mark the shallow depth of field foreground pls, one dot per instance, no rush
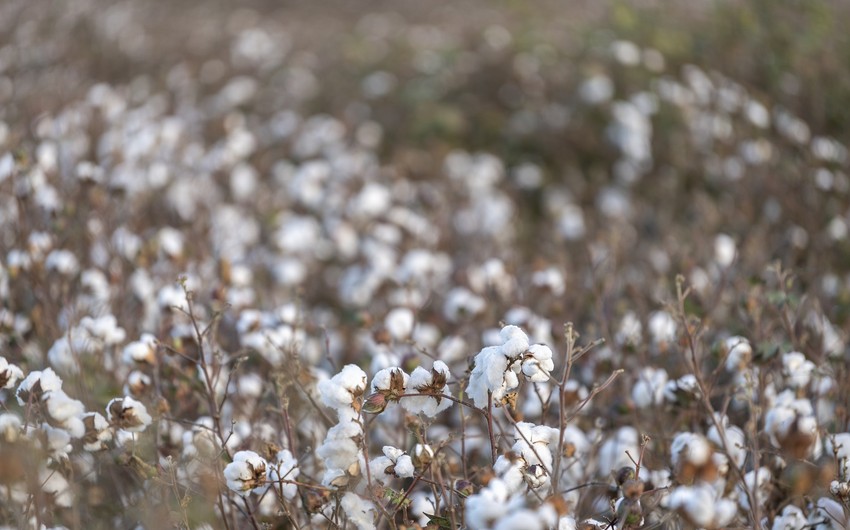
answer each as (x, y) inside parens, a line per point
(424, 265)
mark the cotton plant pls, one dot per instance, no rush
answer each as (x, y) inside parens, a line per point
(497, 368)
(340, 451)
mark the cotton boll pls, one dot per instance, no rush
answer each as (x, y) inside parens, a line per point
(285, 468)
(360, 512)
(54, 484)
(662, 327)
(797, 369)
(739, 352)
(399, 322)
(461, 303)
(345, 389)
(630, 331)
(36, 384)
(690, 448)
(761, 481)
(434, 384)
(700, 506)
(791, 518)
(537, 363)
(612, 454)
(648, 390)
(9, 374)
(246, 473)
(725, 250)
(129, 414)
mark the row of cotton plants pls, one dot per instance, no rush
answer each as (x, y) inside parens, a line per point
(272, 285)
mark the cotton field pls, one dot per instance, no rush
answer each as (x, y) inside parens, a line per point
(389, 267)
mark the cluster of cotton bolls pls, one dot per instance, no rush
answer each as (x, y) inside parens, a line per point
(222, 307)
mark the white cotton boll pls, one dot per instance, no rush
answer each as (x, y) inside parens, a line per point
(42, 381)
(596, 89)
(739, 353)
(662, 327)
(550, 278)
(105, 329)
(626, 52)
(172, 297)
(699, 505)
(686, 385)
(63, 262)
(246, 473)
(538, 363)
(360, 512)
(453, 349)
(65, 412)
(10, 427)
(630, 331)
(57, 441)
(399, 322)
(648, 390)
(129, 414)
(285, 468)
(828, 515)
(791, 518)
(514, 341)
(462, 303)
(612, 454)
(725, 250)
(761, 482)
(140, 351)
(690, 448)
(524, 519)
(9, 374)
(338, 450)
(53, 483)
(339, 391)
(736, 441)
(839, 445)
(570, 222)
(797, 369)
(432, 382)
(97, 432)
(422, 503)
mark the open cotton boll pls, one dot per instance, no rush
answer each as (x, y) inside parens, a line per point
(344, 389)
(797, 369)
(394, 463)
(648, 390)
(761, 481)
(140, 351)
(57, 486)
(537, 363)
(701, 507)
(725, 250)
(128, 414)
(97, 431)
(399, 322)
(738, 353)
(433, 383)
(65, 412)
(791, 518)
(9, 374)
(839, 445)
(246, 473)
(36, 384)
(360, 512)
(285, 468)
(690, 448)
(662, 327)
